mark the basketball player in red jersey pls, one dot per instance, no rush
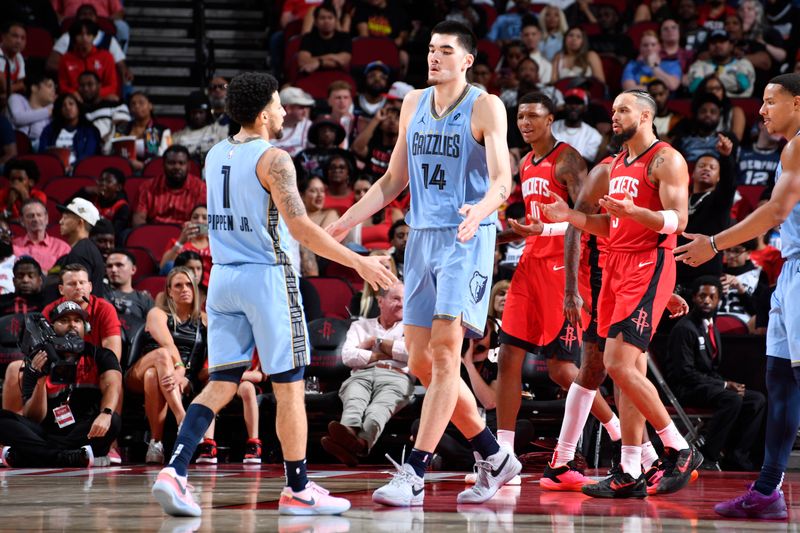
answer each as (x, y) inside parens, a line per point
(646, 206)
(531, 321)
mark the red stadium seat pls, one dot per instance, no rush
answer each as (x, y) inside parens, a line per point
(636, 31)
(731, 325)
(595, 87)
(491, 50)
(681, 106)
(54, 230)
(132, 186)
(53, 214)
(316, 84)
(39, 43)
(293, 29)
(93, 165)
(62, 189)
(334, 294)
(591, 29)
(146, 266)
(49, 167)
(489, 12)
(290, 51)
(336, 270)
(750, 106)
(16, 230)
(173, 123)
(613, 71)
(155, 168)
(153, 237)
(369, 49)
(23, 143)
(378, 245)
(153, 285)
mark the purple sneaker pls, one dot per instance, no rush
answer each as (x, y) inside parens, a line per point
(753, 504)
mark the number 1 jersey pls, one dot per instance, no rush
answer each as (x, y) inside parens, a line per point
(446, 165)
(243, 221)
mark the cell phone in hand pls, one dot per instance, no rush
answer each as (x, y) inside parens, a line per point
(202, 229)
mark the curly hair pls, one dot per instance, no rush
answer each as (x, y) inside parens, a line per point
(248, 94)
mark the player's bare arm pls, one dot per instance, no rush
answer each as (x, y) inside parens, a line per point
(773, 213)
(489, 121)
(276, 173)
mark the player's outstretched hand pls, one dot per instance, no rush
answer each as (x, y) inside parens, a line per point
(555, 211)
(677, 306)
(573, 303)
(533, 229)
(471, 222)
(623, 208)
(375, 271)
(695, 252)
(337, 230)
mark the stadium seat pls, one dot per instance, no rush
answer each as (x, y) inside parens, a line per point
(369, 49)
(613, 72)
(680, 106)
(596, 88)
(145, 264)
(39, 43)
(49, 167)
(54, 229)
(155, 168)
(93, 165)
(153, 285)
(491, 50)
(23, 143)
(751, 194)
(378, 245)
(132, 186)
(591, 28)
(133, 350)
(636, 31)
(730, 325)
(293, 29)
(153, 237)
(173, 123)
(316, 84)
(750, 106)
(334, 294)
(11, 329)
(336, 270)
(290, 68)
(63, 188)
(489, 12)
(16, 230)
(326, 336)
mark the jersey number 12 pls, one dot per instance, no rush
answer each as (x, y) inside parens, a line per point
(437, 178)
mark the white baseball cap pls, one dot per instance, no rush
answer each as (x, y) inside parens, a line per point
(84, 209)
(295, 96)
(399, 90)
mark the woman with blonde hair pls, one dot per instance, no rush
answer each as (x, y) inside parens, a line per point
(576, 60)
(497, 300)
(174, 353)
(554, 25)
(365, 303)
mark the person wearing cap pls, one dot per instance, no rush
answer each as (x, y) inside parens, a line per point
(326, 135)
(65, 425)
(371, 99)
(572, 129)
(77, 220)
(397, 92)
(22, 177)
(737, 75)
(201, 131)
(36, 242)
(324, 48)
(296, 123)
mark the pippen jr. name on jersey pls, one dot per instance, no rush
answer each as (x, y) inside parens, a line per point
(226, 223)
(624, 184)
(436, 144)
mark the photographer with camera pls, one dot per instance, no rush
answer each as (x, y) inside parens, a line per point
(70, 389)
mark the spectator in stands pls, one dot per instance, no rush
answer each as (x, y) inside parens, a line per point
(694, 34)
(71, 131)
(737, 75)
(340, 99)
(398, 238)
(759, 160)
(339, 193)
(324, 48)
(103, 237)
(36, 242)
(665, 118)
(8, 141)
(365, 302)
(508, 26)
(7, 259)
(132, 306)
(77, 220)
(513, 52)
(32, 13)
(36, 438)
(470, 15)
(84, 55)
(201, 132)
(554, 26)
(291, 12)
(27, 295)
(326, 135)
(196, 265)
(22, 177)
(296, 123)
(12, 64)
(374, 230)
(173, 357)
(103, 114)
(753, 51)
(733, 118)
(743, 284)
(670, 34)
(497, 301)
(344, 16)
(755, 28)
(217, 97)
(193, 238)
(110, 9)
(711, 15)
(375, 143)
(654, 10)
(696, 136)
(152, 138)
(532, 37)
(575, 59)
(30, 113)
(313, 194)
(171, 197)
(109, 197)
(713, 189)
(611, 40)
(650, 66)
(584, 138)
(384, 18)
(102, 41)
(397, 92)
(373, 96)
(692, 371)
(379, 384)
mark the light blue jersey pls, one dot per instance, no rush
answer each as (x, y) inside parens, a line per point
(243, 221)
(790, 228)
(446, 165)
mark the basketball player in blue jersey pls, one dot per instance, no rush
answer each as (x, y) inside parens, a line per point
(781, 112)
(452, 151)
(253, 298)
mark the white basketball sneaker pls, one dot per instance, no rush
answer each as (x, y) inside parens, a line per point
(492, 473)
(405, 489)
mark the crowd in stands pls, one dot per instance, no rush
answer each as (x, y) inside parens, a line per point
(102, 203)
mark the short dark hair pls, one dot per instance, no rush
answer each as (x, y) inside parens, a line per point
(117, 173)
(656, 82)
(537, 97)
(102, 227)
(89, 73)
(28, 166)
(790, 83)
(177, 149)
(706, 280)
(126, 253)
(27, 260)
(35, 77)
(466, 38)
(72, 267)
(705, 98)
(712, 155)
(6, 27)
(186, 256)
(90, 26)
(643, 97)
(325, 6)
(395, 225)
(248, 94)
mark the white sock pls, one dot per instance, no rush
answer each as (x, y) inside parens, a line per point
(649, 455)
(505, 438)
(613, 428)
(576, 411)
(631, 460)
(672, 438)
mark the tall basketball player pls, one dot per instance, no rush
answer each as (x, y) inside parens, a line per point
(452, 149)
(781, 112)
(253, 298)
(645, 207)
(532, 319)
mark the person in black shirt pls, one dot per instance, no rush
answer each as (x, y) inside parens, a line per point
(27, 295)
(324, 48)
(132, 306)
(65, 425)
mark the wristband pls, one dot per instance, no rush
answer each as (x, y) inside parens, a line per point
(178, 245)
(179, 364)
(107, 411)
(551, 230)
(713, 242)
(670, 221)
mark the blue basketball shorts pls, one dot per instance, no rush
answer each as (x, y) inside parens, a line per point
(252, 305)
(448, 279)
(783, 331)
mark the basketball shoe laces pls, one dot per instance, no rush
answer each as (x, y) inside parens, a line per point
(482, 469)
(401, 476)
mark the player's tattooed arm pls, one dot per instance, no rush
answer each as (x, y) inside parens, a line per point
(503, 192)
(657, 162)
(571, 172)
(283, 181)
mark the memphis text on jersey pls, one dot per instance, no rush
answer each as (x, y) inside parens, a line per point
(226, 223)
(436, 144)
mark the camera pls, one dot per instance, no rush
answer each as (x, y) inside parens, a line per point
(40, 336)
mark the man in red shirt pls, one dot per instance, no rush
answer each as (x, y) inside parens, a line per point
(170, 198)
(36, 242)
(83, 56)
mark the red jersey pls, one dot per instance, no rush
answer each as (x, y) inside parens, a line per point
(627, 235)
(539, 181)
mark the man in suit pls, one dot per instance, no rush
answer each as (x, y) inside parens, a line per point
(692, 371)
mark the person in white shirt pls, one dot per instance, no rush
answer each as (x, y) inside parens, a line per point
(296, 123)
(532, 35)
(584, 138)
(13, 38)
(31, 114)
(379, 385)
(7, 260)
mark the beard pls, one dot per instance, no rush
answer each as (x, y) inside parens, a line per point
(375, 90)
(217, 103)
(624, 136)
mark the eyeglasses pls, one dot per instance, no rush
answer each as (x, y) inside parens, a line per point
(216, 86)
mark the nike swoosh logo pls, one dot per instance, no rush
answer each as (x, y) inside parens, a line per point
(500, 469)
(416, 492)
(310, 502)
(748, 506)
(557, 268)
(645, 264)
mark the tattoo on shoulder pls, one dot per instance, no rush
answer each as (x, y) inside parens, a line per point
(284, 179)
(657, 162)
